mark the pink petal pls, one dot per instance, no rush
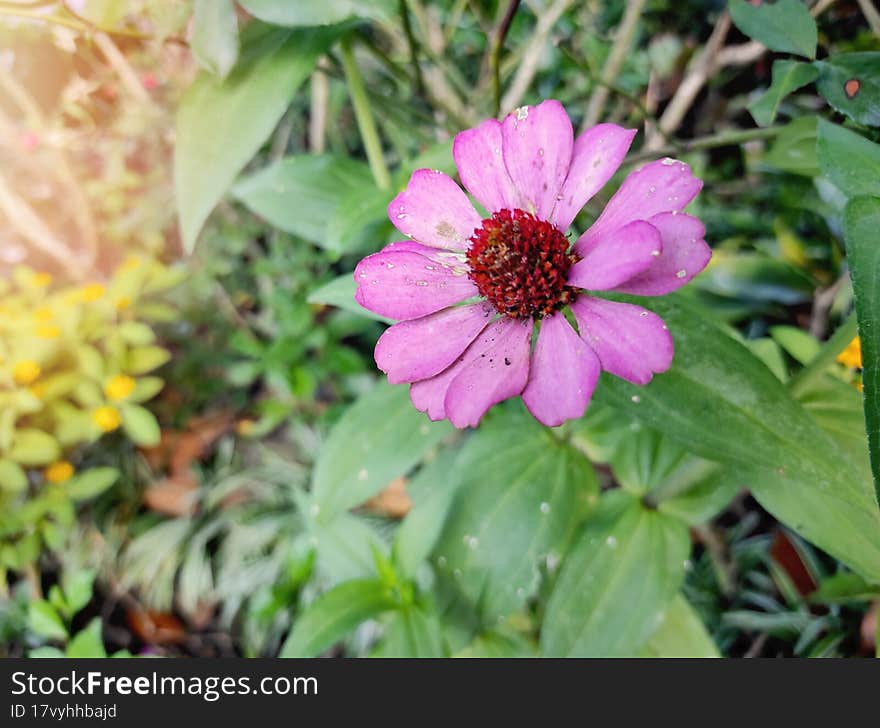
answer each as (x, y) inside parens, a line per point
(666, 185)
(496, 367)
(428, 395)
(685, 254)
(433, 210)
(537, 145)
(406, 285)
(477, 154)
(598, 152)
(452, 259)
(631, 342)
(616, 257)
(563, 373)
(421, 348)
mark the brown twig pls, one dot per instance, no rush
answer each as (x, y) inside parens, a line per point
(497, 46)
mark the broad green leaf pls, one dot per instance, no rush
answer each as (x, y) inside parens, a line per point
(334, 614)
(222, 124)
(412, 632)
(788, 76)
(501, 643)
(340, 293)
(358, 222)
(303, 194)
(861, 224)
(46, 653)
(795, 148)
(215, 35)
(797, 342)
(520, 493)
(785, 26)
(12, 476)
(696, 491)
(680, 634)
(32, 448)
(88, 642)
(419, 531)
(617, 581)
(90, 483)
(140, 425)
(318, 12)
(645, 459)
(849, 160)
(754, 277)
(344, 548)
(77, 588)
(722, 403)
(844, 588)
(850, 82)
(379, 438)
(44, 621)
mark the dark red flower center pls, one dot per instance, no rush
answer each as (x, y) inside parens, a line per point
(520, 264)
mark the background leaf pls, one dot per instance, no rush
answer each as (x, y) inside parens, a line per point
(785, 25)
(849, 160)
(788, 76)
(317, 12)
(680, 634)
(850, 82)
(215, 35)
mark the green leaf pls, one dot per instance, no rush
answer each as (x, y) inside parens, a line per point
(850, 82)
(861, 222)
(221, 124)
(44, 621)
(340, 293)
(144, 359)
(12, 476)
(785, 26)
(755, 277)
(215, 35)
(520, 494)
(46, 653)
(844, 588)
(795, 148)
(32, 448)
(334, 614)
(419, 531)
(412, 632)
(317, 12)
(645, 459)
(140, 425)
(87, 642)
(90, 483)
(379, 438)
(617, 581)
(849, 160)
(77, 588)
(681, 634)
(317, 183)
(797, 342)
(722, 403)
(136, 333)
(788, 76)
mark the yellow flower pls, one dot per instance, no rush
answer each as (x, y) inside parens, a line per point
(106, 418)
(42, 280)
(122, 303)
(44, 314)
(38, 390)
(26, 372)
(130, 263)
(851, 356)
(245, 427)
(48, 331)
(119, 387)
(93, 292)
(59, 472)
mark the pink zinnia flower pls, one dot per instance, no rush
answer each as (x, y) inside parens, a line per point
(468, 292)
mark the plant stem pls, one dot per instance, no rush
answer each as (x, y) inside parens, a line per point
(845, 333)
(495, 55)
(364, 115)
(723, 139)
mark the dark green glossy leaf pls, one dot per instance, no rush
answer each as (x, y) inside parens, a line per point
(849, 160)
(850, 82)
(788, 76)
(861, 225)
(785, 25)
(617, 581)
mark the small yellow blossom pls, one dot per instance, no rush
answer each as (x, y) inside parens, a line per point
(107, 418)
(38, 390)
(851, 357)
(130, 263)
(122, 303)
(48, 331)
(26, 372)
(44, 314)
(59, 472)
(245, 427)
(42, 280)
(93, 292)
(119, 387)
